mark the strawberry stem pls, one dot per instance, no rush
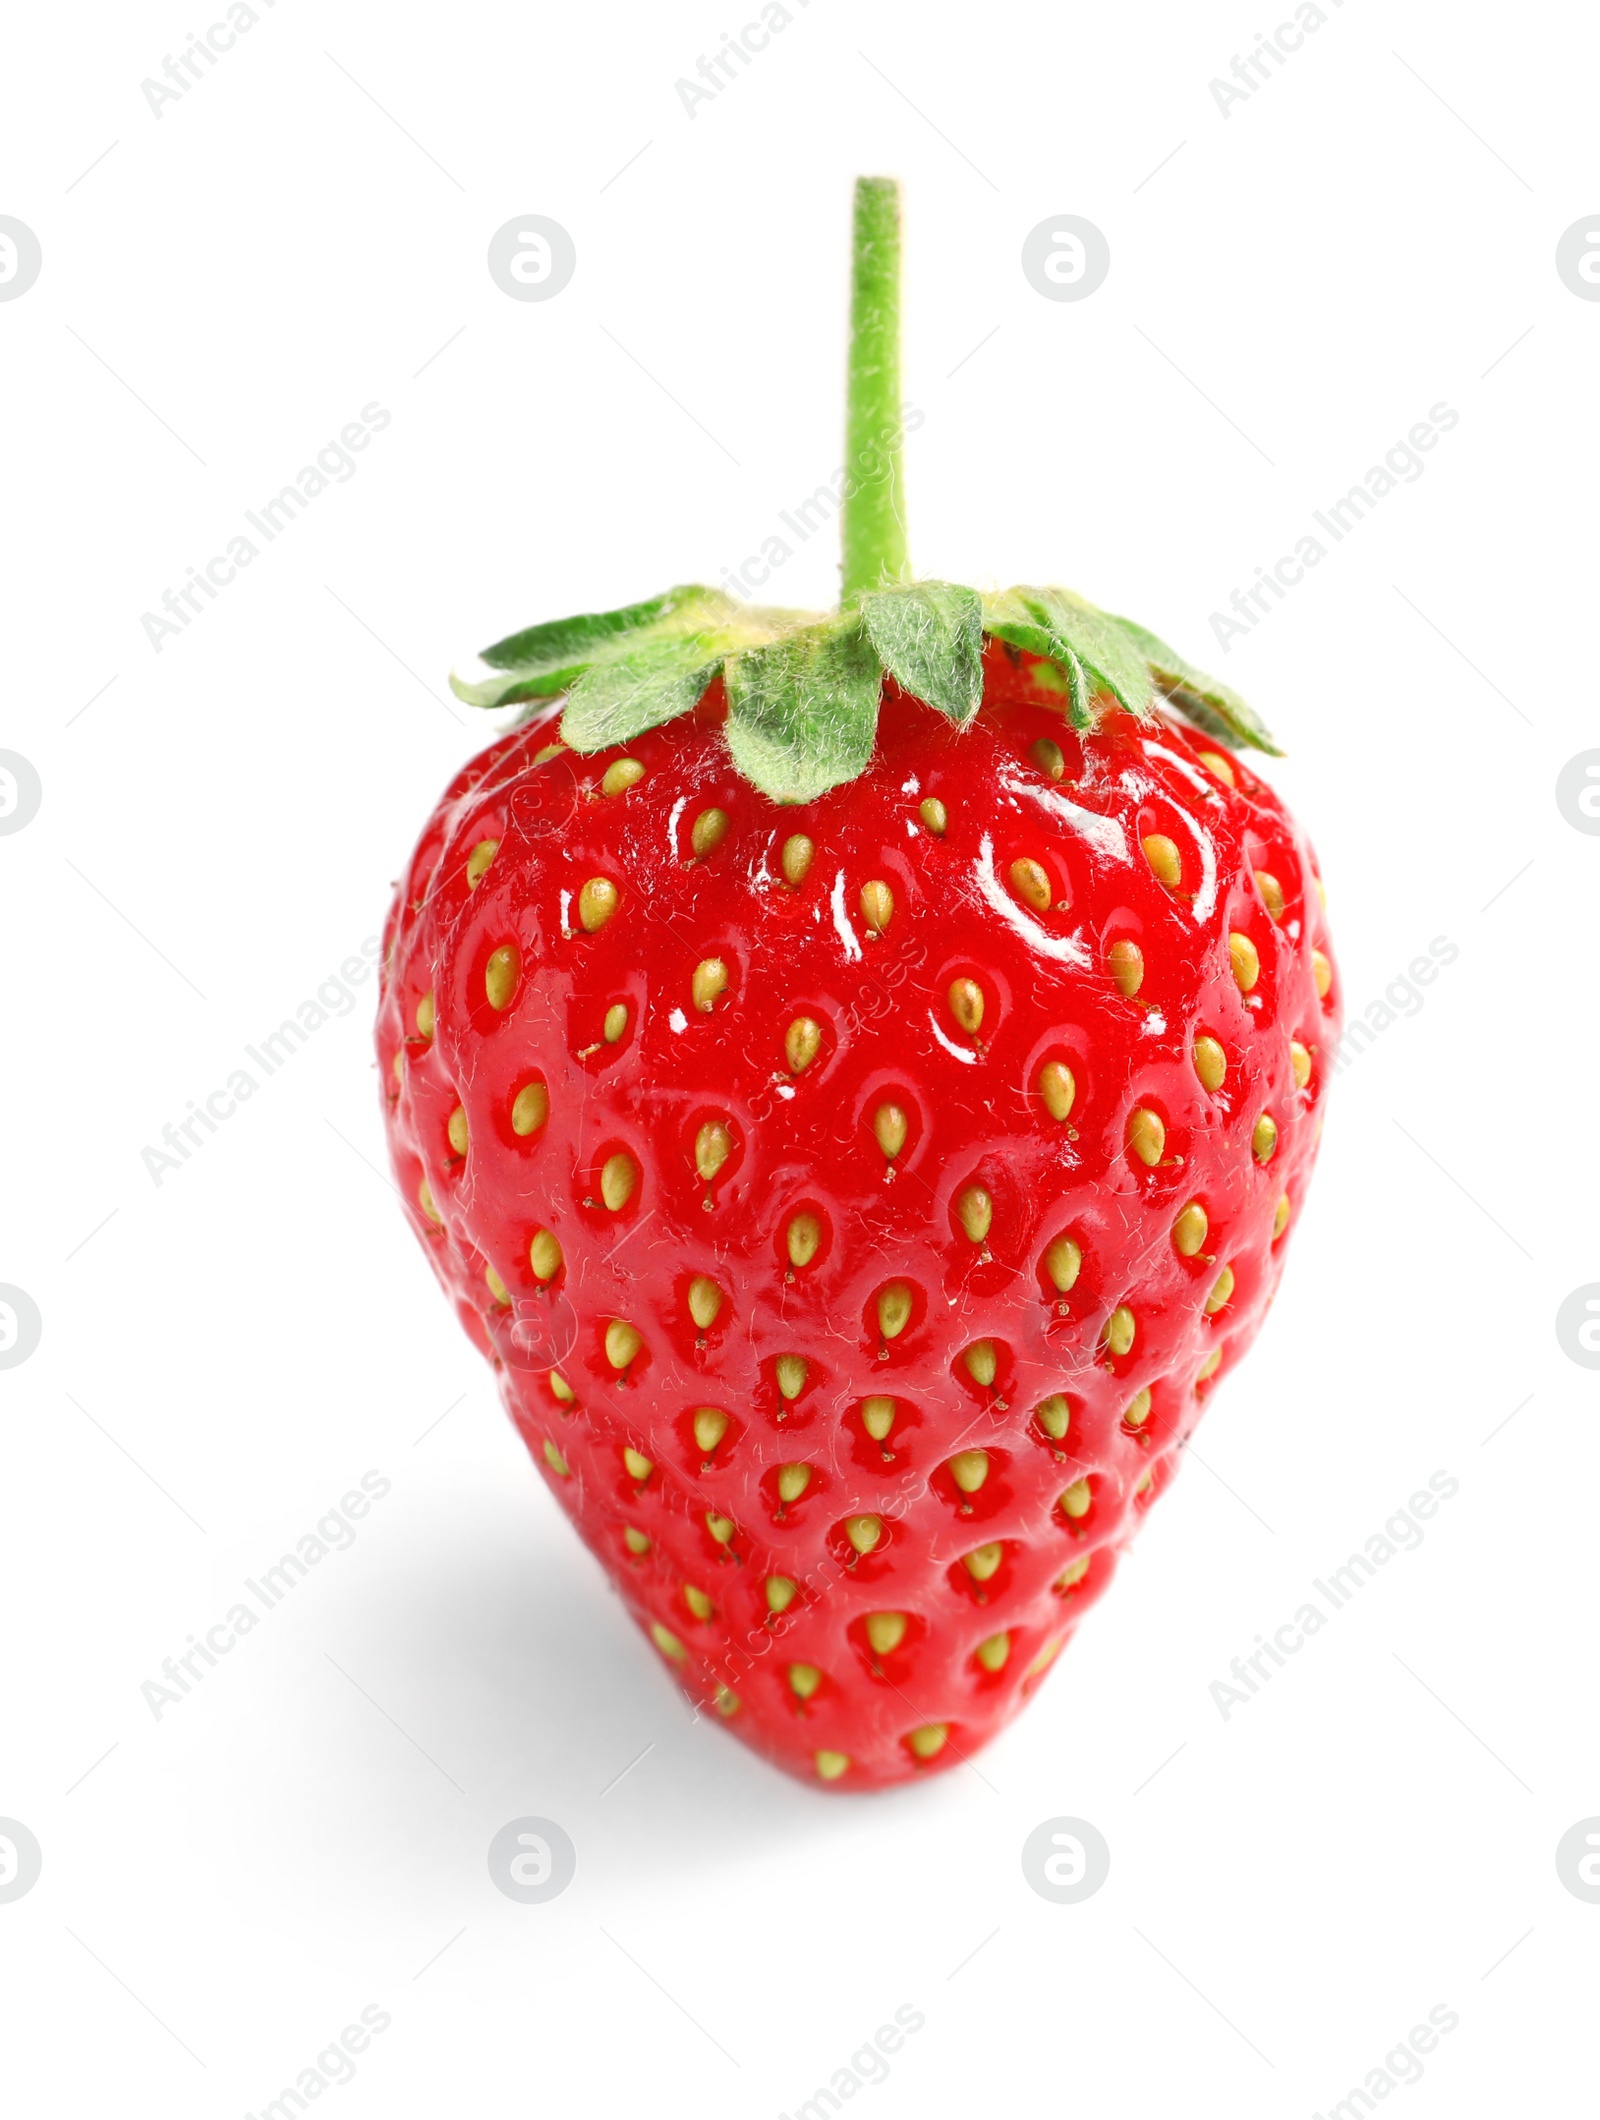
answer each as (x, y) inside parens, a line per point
(873, 518)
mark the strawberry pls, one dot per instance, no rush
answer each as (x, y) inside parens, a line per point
(856, 1076)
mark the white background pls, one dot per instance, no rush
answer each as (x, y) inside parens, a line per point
(304, 232)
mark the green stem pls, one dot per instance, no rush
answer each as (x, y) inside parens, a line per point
(874, 517)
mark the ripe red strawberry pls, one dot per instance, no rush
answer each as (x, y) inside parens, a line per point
(859, 1139)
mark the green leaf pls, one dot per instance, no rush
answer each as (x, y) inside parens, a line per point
(1211, 705)
(1100, 641)
(561, 642)
(929, 637)
(614, 701)
(1010, 615)
(541, 661)
(507, 688)
(1097, 641)
(803, 711)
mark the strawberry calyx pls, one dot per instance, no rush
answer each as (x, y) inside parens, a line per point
(803, 687)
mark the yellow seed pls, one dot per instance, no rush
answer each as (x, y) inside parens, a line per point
(709, 831)
(877, 1417)
(500, 976)
(425, 1016)
(666, 1641)
(1137, 1410)
(1125, 962)
(993, 1653)
(1300, 1061)
(713, 1145)
(983, 1561)
(1280, 1221)
(863, 1532)
(620, 775)
(1221, 1289)
(549, 751)
(721, 1528)
(975, 1211)
(425, 1202)
(1245, 961)
(804, 1680)
(1031, 884)
(796, 858)
(562, 1389)
(597, 901)
(618, 1179)
(1166, 863)
(1062, 1261)
(1057, 1088)
(791, 1374)
(710, 979)
(1048, 757)
(544, 1255)
(1076, 1500)
(969, 1469)
(981, 1362)
(1189, 1230)
(1069, 1578)
(635, 1465)
(497, 1287)
(1052, 1414)
(1045, 1658)
(1210, 1063)
(1271, 893)
(399, 1063)
(705, 1300)
(622, 1343)
(479, 859)
(697, 1601)
(804, 1239)
(793, 1480)
(1147, 1137)
(710, 1426)
(889, 1124)
(780, 1591)
(556, 1462)
(1222, 767)
(894, 1309)
(801, 1043)
(727, 1703)
(885, 1631)
(934, 815)
(929, 1740)
(1120, 1328)
(877, 905)
(635, 1541)
(1322, 973)
(616, 1021)
(1209, 1367)
(456, 1128)
(966, 1005)
(530, 1108)
(830, 1765)
(1264, 1138)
